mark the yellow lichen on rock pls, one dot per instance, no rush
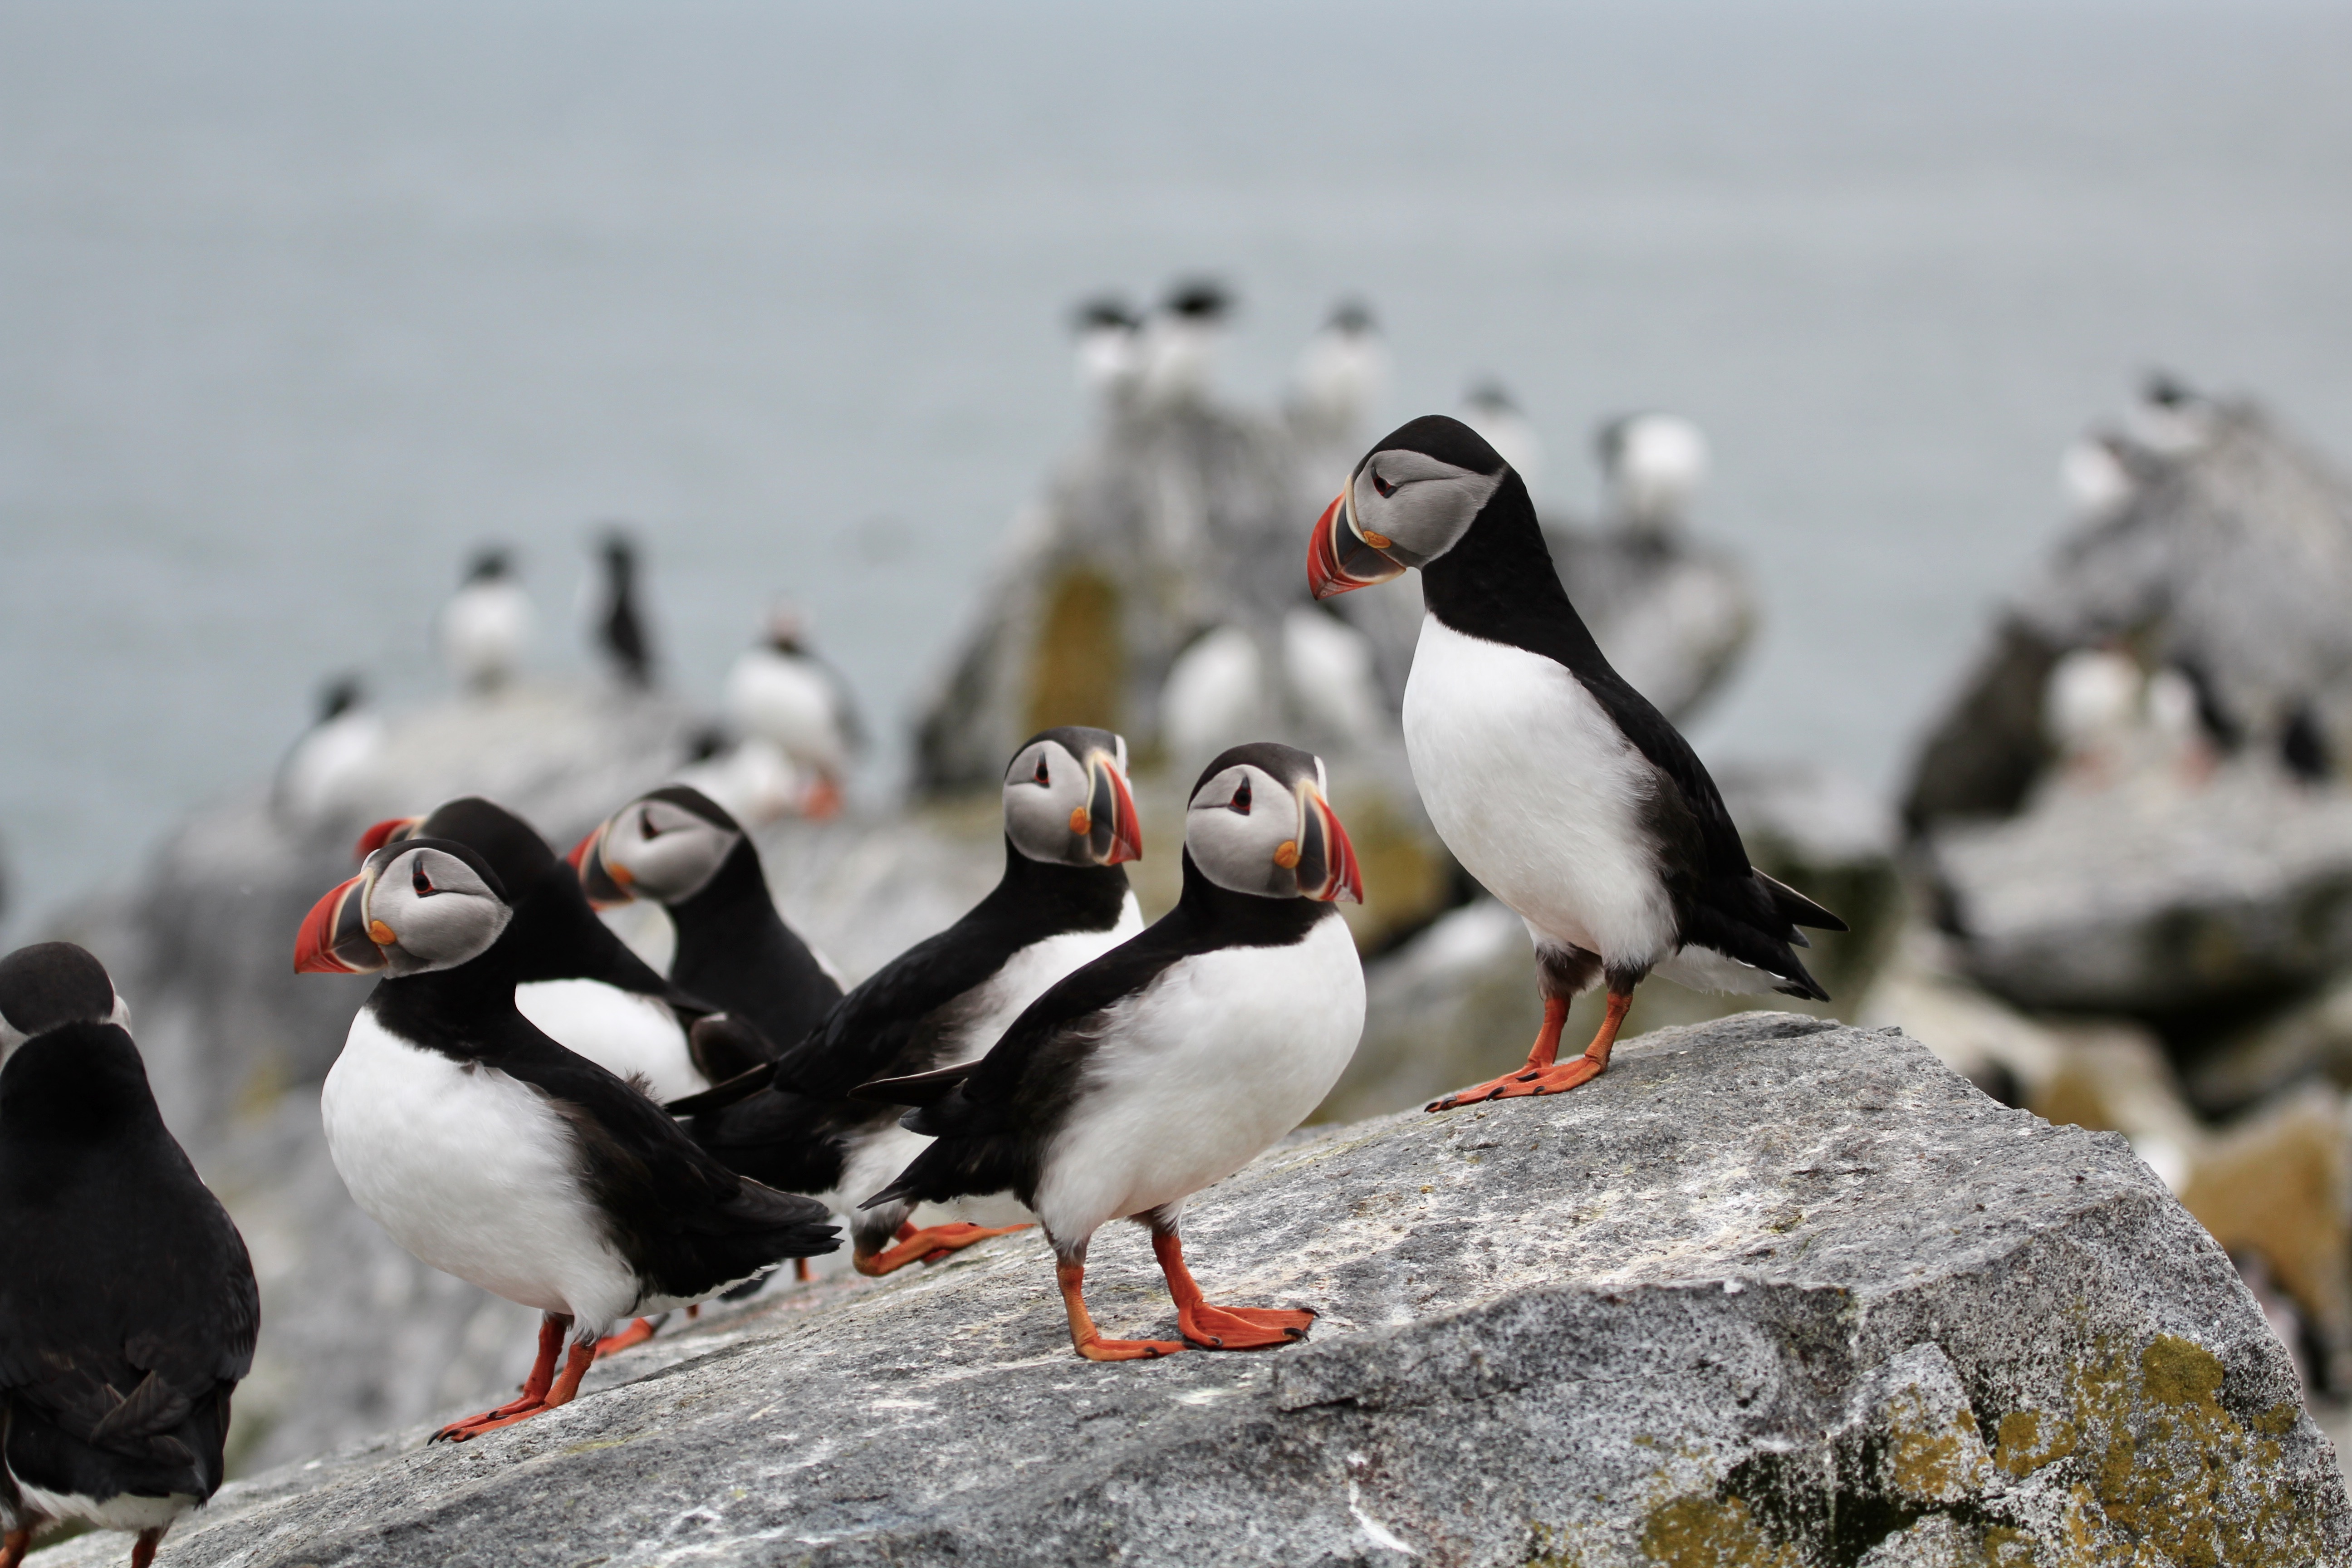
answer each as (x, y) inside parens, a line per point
(1711, 1532)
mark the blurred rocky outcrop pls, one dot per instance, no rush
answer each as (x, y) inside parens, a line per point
(2213, 543)
(1845, 1310)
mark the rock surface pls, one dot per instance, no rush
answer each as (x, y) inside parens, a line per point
(1772, 1291)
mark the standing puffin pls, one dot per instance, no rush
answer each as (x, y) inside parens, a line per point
(487, 623)
(127, 1304)
(1554, 782)
(1069, 825)
(576, 980)
(677, 846)
(495, 1154)
(781, 693)
(1174, 1059)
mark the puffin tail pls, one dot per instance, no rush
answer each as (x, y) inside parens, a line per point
(1798, 909)
(915, 1088)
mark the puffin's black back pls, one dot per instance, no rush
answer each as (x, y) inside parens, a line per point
(735, 950)
(128, 1309)
(789, 1134)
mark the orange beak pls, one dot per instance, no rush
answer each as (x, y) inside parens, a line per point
(334, 938)
(1114, 830)
(1339, 562)
(1327, 861)
(606, 885)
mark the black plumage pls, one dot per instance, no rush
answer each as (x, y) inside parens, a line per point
(128, 1309)
(621, 625)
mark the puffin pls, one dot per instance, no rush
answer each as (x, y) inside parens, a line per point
(492, 1153)
(1174, 1059)
(1109, 354)
(677, 846)
(1181, 340)
(1652, 465)
(1554, 782)
(128, 1308)
(334, 758)
(487, 623)
(576, 980)
(620, 626)
(783, 695)
(1069, 828)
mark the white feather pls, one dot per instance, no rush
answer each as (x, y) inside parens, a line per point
(792, 703)
(485, 627)
(474, 1173)
(1200, 1073)
(120, 1511)
(627, 1035)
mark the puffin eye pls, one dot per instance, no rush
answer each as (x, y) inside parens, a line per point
(420, 881)
(646, 823)
(1040, 776)
(1240, 804)
(1381, 485)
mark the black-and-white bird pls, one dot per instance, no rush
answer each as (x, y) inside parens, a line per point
(1069, 827)
(487, 624)
(1109, 350)
(576, 979)
(1555, 783)
(1173, 1060)
(127, 1304)
(619, 623)
(677, 847)
(781, 694)
(495, 1154)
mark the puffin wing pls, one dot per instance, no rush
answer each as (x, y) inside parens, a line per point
(879, 1026)
(987, 1119)
(684, 1221)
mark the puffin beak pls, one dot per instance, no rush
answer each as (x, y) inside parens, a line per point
(1340, 560)
(1327, 861)
(385, 832)
(605, 884)
(334, 936)
(1113, 830)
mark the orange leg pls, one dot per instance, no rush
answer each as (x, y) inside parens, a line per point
(1085, 1338)
(1222, 1328)
(14, 1546)
(1540, 1075)
(635, 1334)
(142, 1551)
(925, 1245)
(800, 1270)
(552, 1327)
(576, 1364)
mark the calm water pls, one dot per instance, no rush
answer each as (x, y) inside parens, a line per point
(298, 303)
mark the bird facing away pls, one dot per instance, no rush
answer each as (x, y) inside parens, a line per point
(128, 1309)
(487, 624)
(1174, 1059)
(620, 622)
(782, 694)
(1555, 783)
(493, 1154)
(675, 846)
(1069, 829)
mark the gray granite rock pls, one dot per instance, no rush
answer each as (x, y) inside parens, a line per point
(2146, 901)
(1771, 1291)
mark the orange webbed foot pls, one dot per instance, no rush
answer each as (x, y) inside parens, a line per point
(635, 1334)
(928, 1245)
(1554, 1080)
(1214, 1328)
(1127, 1350)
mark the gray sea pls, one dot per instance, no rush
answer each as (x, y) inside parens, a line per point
(299, 302)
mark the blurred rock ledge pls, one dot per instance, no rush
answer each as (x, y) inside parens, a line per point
(1890, 1322)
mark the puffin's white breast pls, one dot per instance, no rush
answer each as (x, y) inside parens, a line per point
(790, 704)
(472, 1170)
(626, 1034)
(120, 1511)
(1201, 1071)
(1538, 793)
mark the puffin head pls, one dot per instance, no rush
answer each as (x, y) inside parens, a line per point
(1066, 801)
(416, 906)
(1410, 500)
(666, 846)
(1258, 822)
(51, 985)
